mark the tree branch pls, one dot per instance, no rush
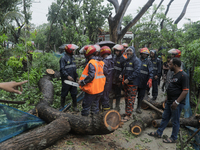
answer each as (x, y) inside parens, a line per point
(134, 21)
(124, 11)
(156, 10)
(161, 24)
(116, 4)
(182, 13)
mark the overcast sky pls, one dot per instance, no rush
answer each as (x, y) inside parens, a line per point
(40, 10)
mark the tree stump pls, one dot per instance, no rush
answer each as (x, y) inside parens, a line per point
(142, 121)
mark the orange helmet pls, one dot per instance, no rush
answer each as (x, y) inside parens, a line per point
(89, 51)
(144, 51)
(105, 50)
(125, 45)
(175, 52)
(69, 48)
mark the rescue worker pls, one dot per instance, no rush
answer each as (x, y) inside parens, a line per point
(145, 76)
(105, 53)
(68, 72)
(117, 83)
(156, 73)
(130, 73)
(92, 82)
(125, 46)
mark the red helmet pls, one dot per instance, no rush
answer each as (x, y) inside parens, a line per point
(125, 45)
(105, 50)
(144, 51)
(175, 52)
(69, 48)
(90, 50)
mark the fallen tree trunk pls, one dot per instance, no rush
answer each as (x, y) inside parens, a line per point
(192, 121)
(104, 123)
(142, 121)
(39, 138)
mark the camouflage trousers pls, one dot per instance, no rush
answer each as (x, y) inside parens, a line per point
(130, 94)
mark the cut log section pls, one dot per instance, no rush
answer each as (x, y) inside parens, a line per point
(142, 121)
(39, 138)
(192, 121)
(104, 123)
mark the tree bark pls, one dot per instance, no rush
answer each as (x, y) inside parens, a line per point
(142, 121)
(192, 121)
(39, 138)
(182, 13)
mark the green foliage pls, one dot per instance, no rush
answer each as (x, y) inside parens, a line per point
(191, 54)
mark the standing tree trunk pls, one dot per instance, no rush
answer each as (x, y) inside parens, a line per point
(115, 34)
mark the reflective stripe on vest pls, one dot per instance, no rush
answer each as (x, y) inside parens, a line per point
(129, 68)
(155, 68)
(144, 72)
(117, 68)
(70, 66)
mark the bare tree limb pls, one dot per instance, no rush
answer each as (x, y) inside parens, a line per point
(182, 13)
(124, 11)
(134, 21)
(116, 4)
(156, 10)
(161, 24)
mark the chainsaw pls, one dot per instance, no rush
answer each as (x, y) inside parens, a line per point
(71, 83)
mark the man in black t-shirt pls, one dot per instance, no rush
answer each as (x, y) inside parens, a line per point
(175, 101)
(165, 70)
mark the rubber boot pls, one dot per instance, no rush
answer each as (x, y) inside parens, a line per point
(117, 104)
(138, 110)
(75, 104)
(62, 102)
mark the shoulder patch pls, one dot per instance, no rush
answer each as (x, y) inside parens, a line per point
(130, 63)
(118, 62)
(154, 62)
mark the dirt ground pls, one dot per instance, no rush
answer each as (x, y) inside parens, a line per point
(121, 139)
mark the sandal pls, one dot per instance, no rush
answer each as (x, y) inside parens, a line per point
(155, 134)
(169, 140)
(125, 119)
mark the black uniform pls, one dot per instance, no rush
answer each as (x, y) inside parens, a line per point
(156, 63)
(146, 73)
(68, 68)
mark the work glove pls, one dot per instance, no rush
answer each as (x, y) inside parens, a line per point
(149, 83)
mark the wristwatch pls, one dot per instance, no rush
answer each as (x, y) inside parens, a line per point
(177, 102)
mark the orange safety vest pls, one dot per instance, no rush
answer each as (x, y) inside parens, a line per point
(97, 84)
